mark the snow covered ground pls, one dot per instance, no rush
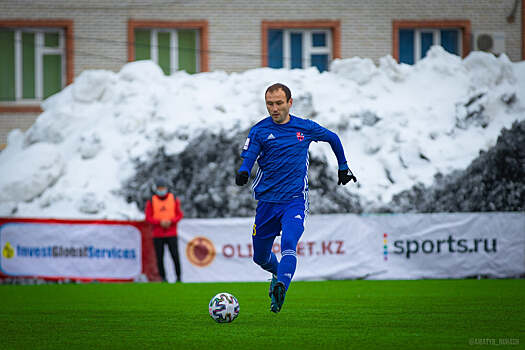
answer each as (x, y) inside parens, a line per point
(399, 125)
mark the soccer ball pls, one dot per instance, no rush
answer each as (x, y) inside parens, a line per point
(224, 308)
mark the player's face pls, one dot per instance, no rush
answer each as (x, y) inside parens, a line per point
(277, 106)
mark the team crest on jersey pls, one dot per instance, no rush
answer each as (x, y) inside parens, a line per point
(300, 136)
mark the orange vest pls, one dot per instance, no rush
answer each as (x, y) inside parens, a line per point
(164, 209)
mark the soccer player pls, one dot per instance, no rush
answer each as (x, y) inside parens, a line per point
(280, 144)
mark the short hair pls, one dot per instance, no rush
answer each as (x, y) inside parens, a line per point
(279, 86)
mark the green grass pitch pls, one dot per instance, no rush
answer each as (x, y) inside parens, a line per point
(419, 314)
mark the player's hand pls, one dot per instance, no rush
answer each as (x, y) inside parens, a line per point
(345, 176)
(241, 178)
(165, 223)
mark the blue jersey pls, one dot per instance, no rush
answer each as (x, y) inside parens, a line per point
(281, 150)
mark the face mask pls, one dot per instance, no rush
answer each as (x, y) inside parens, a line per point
(161, 193)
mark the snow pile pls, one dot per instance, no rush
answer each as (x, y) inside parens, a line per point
(494, 181)
(38, 167)
(399, 125)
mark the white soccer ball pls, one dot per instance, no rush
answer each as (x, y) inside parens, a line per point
(224, 308)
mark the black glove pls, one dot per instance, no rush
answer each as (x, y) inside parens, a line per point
(241, 178)
(345, 176)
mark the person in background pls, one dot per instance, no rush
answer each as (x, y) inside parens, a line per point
(163, 212)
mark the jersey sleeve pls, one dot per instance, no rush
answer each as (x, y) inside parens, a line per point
(250, 151)
(320, 133)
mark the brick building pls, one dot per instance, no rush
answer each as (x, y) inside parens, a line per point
(44, 44)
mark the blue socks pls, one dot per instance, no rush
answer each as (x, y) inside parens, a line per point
(272, 264)
(284, 269)
(287, 266)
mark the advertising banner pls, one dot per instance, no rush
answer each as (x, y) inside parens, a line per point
(71, 250)
(344, 246)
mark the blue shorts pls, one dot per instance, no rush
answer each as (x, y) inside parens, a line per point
(272, 218)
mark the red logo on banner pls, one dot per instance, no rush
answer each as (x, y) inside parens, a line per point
(300, 136)
(200, 251)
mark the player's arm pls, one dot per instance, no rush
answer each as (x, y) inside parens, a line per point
(249, 154)
(319, 133)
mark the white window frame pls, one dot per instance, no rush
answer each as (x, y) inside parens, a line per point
(174, 46)
(198, 51)
(308, 48)
(436, 38)
(40, 51)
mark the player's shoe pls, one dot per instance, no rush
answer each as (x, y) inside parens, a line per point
(279, 291)
(270, 291)
(272, 284)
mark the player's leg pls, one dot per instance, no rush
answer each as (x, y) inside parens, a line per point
(266, 259)
(263, 254)
(174, 251)
(292, 230)
(158, 243)
(265, 229)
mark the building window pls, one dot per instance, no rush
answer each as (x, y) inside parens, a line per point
(171, 49)
(172, 45)
(300, 44)
(299, 48)
(415, 43)
(413, 39)
(34, 65)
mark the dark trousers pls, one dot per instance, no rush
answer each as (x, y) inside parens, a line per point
(172, 243)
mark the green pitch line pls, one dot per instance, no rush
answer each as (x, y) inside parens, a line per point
(318, 315)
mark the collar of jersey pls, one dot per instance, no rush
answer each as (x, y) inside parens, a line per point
(288, 123)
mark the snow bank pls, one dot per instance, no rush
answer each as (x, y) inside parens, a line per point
(399, 125)
(28, 171)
